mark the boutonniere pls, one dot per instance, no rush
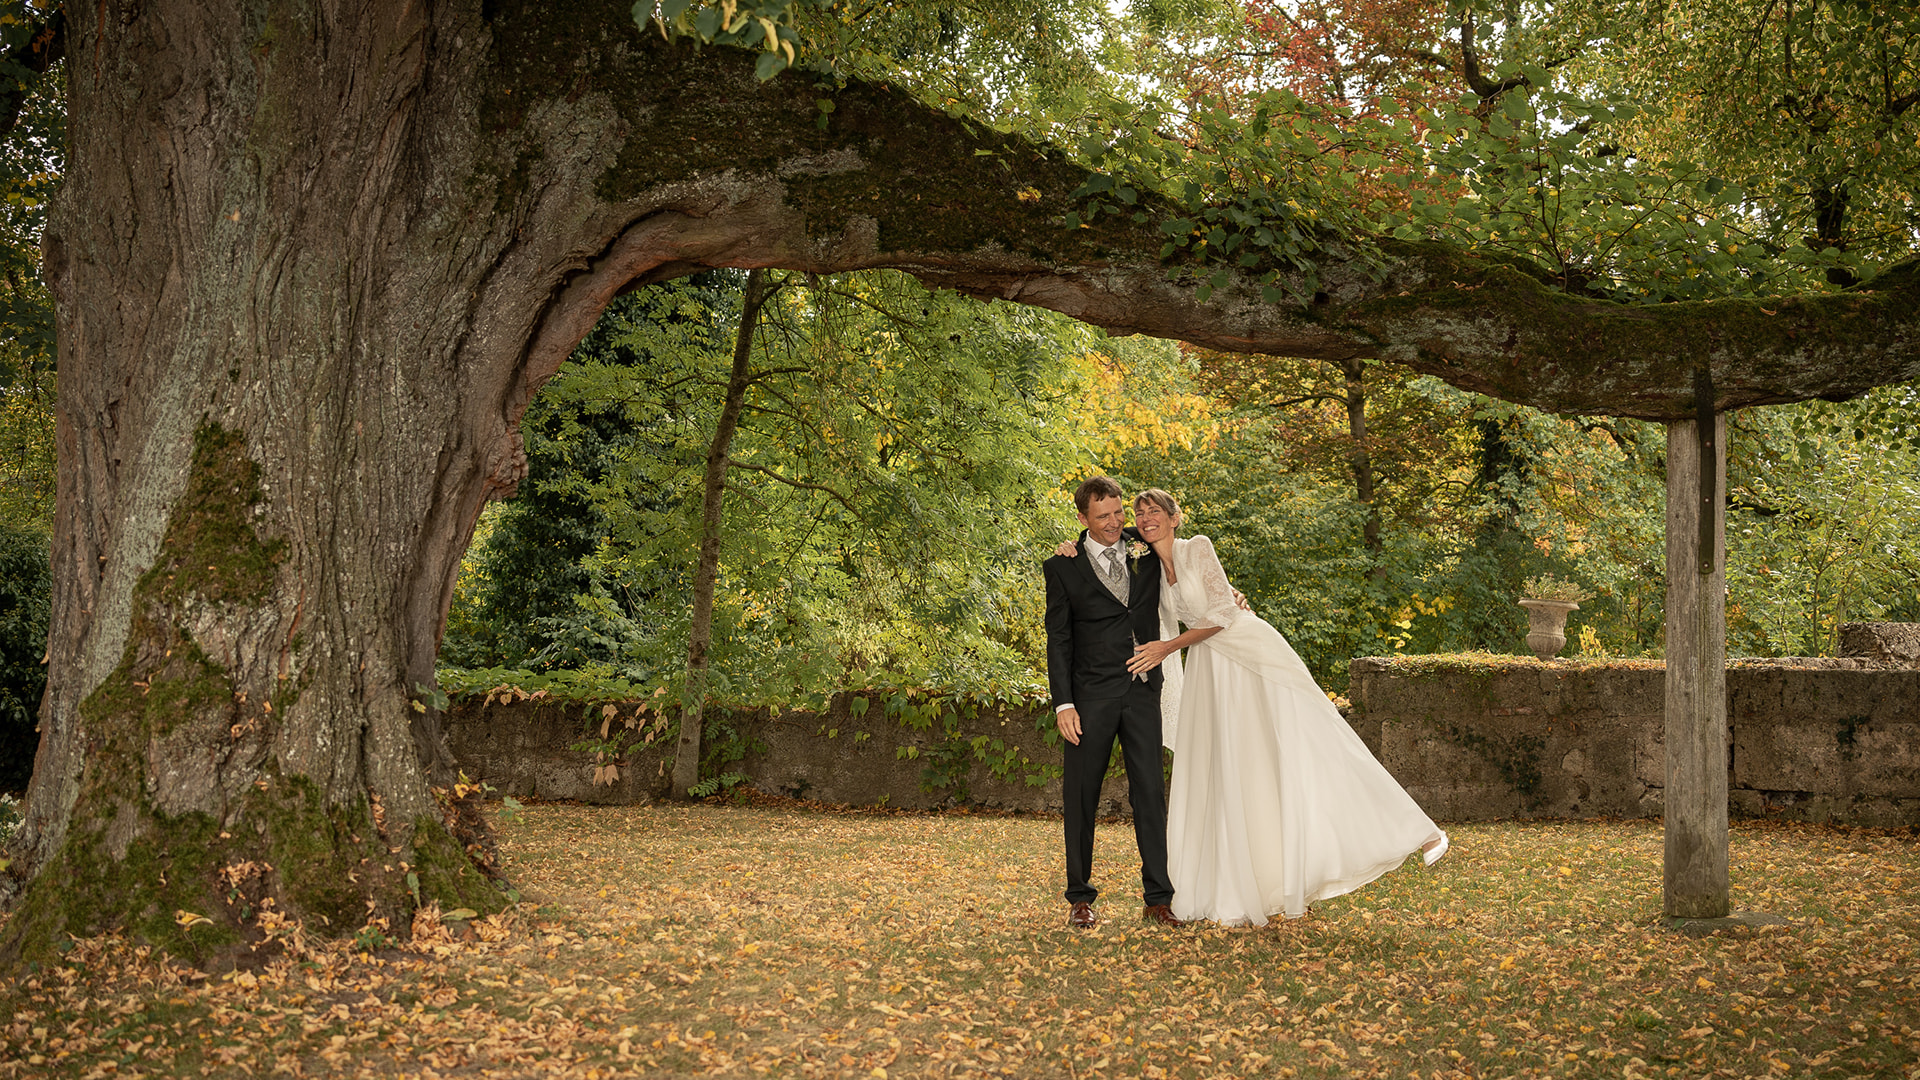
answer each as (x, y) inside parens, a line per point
(1136, 549)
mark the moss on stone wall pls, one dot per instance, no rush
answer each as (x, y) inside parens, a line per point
(1516, 756)
(1490, 664)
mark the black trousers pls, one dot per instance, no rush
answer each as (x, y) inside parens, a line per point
(1135, 721)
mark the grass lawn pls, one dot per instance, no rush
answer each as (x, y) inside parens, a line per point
(802, 942)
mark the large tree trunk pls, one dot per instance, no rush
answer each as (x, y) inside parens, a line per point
(311, 262)
(286, 337)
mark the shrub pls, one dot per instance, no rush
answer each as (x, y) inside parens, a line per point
(1549, 587)
(26, 588)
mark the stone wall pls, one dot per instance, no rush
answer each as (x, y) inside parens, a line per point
(997, 758)
(1890, 641)
(1481, 737)
(1471, 737)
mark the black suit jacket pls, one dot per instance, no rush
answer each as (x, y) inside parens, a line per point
(1090, 635)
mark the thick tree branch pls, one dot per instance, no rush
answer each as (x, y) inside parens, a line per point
(891, 183)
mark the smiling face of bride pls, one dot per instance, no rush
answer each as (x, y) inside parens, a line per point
(1156, 516)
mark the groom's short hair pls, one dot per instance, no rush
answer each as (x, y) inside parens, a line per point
(1095, 487)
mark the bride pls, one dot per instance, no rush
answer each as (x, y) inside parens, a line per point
(1275, 801)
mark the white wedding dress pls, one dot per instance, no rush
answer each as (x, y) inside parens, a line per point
(1275, 802)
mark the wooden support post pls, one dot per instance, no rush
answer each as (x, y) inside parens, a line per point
(1696, 699)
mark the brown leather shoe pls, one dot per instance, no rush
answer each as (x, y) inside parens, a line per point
(1082, 916)
(1161, 914)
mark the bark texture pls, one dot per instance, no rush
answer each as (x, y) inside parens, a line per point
(311, 262)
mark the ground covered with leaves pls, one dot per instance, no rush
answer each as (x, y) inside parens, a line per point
(797, 941)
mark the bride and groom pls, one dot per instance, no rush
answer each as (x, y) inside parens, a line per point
(1275, 801)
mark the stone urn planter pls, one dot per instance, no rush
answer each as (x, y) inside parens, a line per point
(1547, 625)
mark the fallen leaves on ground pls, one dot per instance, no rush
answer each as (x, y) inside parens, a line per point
(791, 941)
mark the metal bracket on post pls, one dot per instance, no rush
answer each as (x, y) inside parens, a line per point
(1705, 427)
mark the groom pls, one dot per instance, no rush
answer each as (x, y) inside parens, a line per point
(1100, 604)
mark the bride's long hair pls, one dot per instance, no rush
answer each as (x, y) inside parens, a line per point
(1162, 499)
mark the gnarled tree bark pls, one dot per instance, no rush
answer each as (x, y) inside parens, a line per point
(312, 261)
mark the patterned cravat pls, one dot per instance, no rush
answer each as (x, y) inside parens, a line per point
(1114, 575)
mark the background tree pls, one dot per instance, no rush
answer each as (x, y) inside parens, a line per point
(33, 102)
(32, 158)
(754, 295)
(889, 481)
(1822, 529)
(24, 586)
(1805, 107)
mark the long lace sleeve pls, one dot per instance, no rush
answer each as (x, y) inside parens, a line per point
(1205, 565)
(1173, 679)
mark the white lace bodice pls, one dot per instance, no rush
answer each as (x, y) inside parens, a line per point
(1202, 596)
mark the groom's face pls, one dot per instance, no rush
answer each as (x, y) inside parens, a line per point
(1104, 519)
